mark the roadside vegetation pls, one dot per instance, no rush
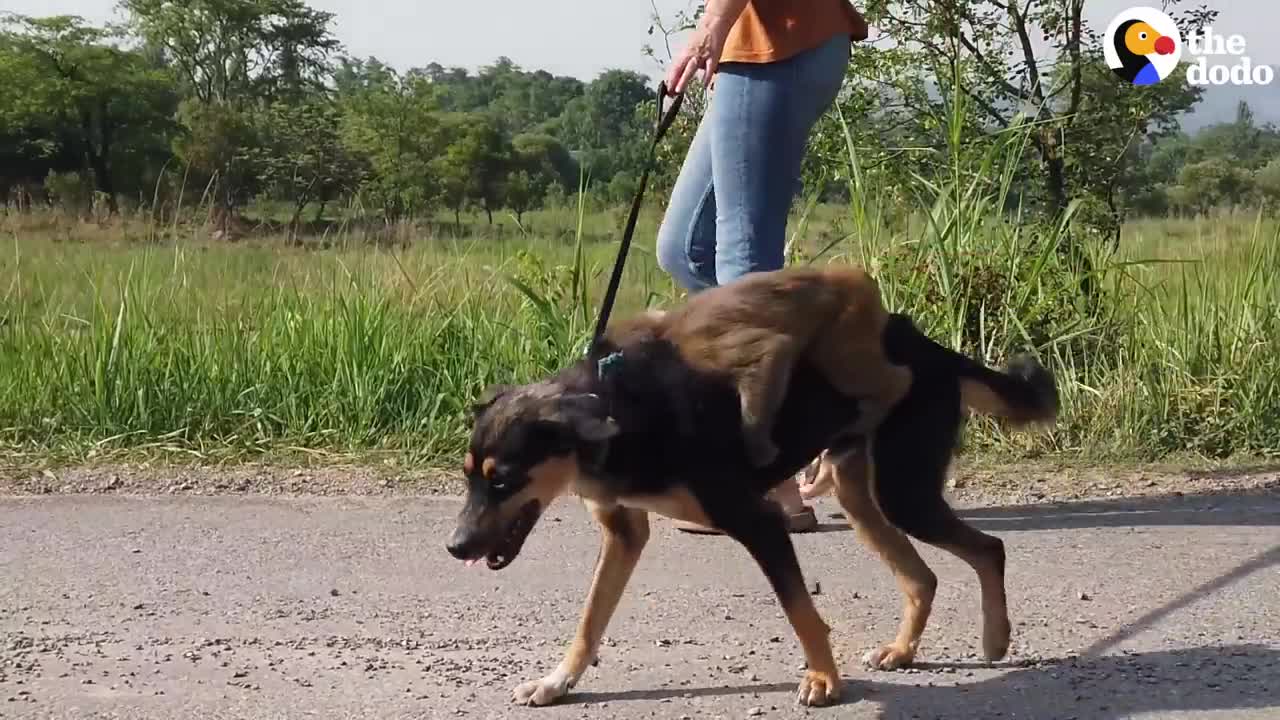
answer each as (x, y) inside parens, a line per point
(207, 258)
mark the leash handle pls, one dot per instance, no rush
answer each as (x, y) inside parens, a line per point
(664, 122)
(666, 119)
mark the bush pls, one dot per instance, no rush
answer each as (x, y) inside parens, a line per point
(71, 191)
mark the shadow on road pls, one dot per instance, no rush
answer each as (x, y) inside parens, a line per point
(1234, 677)
(1093, 685)
(583, 698)
(1256, 508)
(1262, 561)
(1244, 508)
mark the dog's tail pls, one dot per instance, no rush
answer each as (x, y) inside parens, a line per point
(1023, 393)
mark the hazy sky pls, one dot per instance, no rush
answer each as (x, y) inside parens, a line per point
(583, 37)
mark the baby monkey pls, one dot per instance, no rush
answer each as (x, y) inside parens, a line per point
(756, 328)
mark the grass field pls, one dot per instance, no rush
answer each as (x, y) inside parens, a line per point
(184, 346)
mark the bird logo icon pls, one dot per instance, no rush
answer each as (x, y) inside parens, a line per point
(1142, 46)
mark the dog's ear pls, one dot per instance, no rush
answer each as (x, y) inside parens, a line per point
(587, 418)
(487, 398)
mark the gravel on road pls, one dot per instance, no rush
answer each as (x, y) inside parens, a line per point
(180, 605)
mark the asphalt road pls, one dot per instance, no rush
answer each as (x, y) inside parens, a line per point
(256, 607)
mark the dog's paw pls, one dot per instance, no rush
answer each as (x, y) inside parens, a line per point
(995, 637)
(541, 692)
(819, 688)
(888, 657)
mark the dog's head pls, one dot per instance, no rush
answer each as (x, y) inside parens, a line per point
(529, 445)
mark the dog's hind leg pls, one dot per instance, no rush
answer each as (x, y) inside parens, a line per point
(911, 453)
(625, 532)
(759, 525)
(851, 471)
(985, 554)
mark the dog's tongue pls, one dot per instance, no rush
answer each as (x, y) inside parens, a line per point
(472, 562)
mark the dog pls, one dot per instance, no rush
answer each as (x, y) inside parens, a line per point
(757, 327)
(606, 429)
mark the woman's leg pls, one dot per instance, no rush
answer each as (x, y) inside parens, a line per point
(728, 212)
(763, 115)
(686, 250)
(687, 236)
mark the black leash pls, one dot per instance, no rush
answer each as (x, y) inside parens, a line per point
(611, 294)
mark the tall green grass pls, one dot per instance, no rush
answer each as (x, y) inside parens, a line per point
(208, 348)
(186, 346)
(1164, 345)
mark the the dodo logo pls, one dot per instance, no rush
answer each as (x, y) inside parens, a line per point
(1142, 45)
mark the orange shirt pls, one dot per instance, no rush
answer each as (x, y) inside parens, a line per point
(773, 30)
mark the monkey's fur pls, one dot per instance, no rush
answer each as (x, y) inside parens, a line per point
(756, 328)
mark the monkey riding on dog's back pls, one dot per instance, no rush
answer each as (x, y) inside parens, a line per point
(652, 422)
(758, 327)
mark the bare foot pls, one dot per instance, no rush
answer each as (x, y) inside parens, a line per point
(816, 479)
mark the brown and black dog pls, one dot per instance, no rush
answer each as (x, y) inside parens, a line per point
(607, 428)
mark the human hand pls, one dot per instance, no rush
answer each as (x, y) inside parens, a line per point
(701, 53)
(860, 30)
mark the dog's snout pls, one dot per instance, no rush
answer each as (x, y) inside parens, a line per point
(461, 544)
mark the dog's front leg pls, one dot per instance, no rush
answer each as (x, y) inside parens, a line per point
(760, 526)
(625, 532)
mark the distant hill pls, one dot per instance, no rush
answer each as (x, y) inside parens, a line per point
(1219, 105)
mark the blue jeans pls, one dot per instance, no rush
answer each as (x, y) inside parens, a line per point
(728, 211)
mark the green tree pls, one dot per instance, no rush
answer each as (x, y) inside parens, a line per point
(1241, 144)
(538, 162)
(1216, 182)
(1165, 157)
(605, 126)
(27, 155)
(302, 157)
(221, 149)
(517, 100)
(474, 164)
(391, 122)
(1102, 158)
(1267, 180)
(69, 84)
(1243, 141)
(984, 52)
(1182, 200)
(236, 51)
(233, 58)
